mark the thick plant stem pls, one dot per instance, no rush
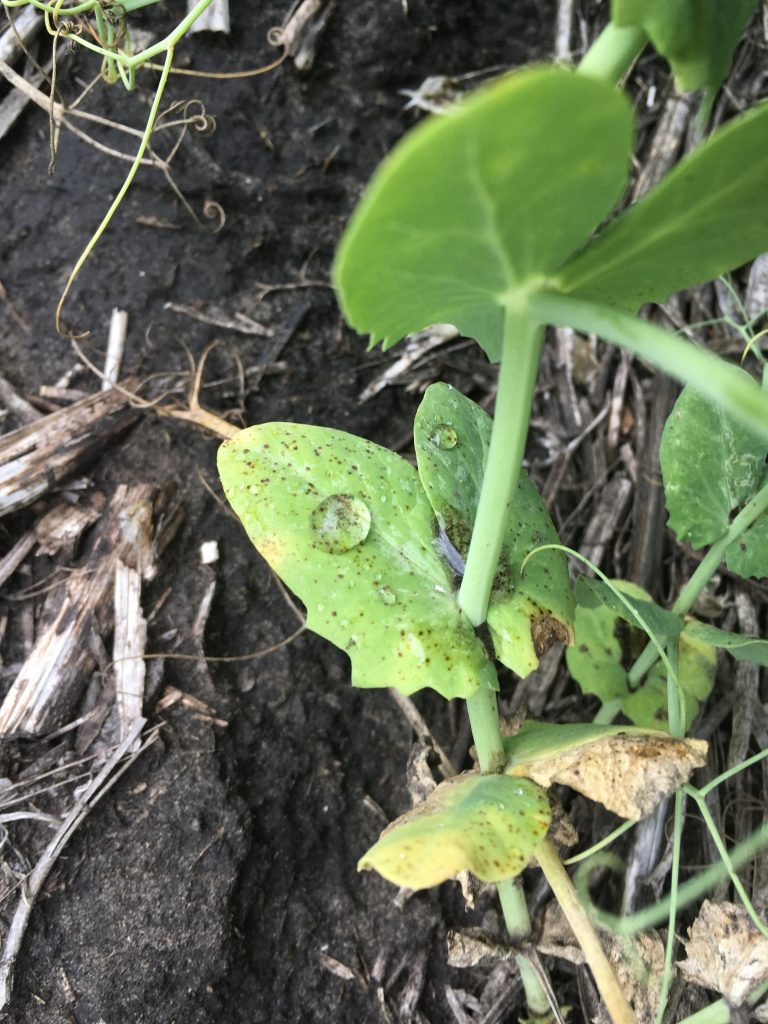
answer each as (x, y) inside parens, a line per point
(484, 721)
(518, 922)
(613, 53)
(517, 380)
(566, 896)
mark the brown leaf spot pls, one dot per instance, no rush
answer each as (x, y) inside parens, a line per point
(547, 631)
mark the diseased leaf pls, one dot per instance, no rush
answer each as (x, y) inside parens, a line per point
(629, 771)
(725, 952)
(527, 614)
(742, 648)
(707, 216)
(347, 526)
(487, 824)
(711, 465)
(472, 205)
(607, 642)
(697, 37)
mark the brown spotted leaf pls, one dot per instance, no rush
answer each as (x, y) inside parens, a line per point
(726, 952)
(487, 824)
(629, 771)
(347, 525)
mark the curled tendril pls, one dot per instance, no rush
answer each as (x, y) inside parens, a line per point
(211, 210)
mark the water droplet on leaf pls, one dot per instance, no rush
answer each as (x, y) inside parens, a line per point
(444, 436)
(387, 595)
(340, 522)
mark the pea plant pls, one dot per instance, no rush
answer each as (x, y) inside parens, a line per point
(499, 219)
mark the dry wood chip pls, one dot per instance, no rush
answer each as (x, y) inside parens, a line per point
(128, 646)
(725, 952)
(629, 773)
(51, 680)
(37, 457)
(756, 299)
(64, 524)
(336, 967)
(473, 948)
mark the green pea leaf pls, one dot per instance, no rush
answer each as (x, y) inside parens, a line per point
(696, 667)
(487, 824)
(608, 640)
(347, 526)
(711, 466)
(742, 648)
(595, 594)
(707, 216)
(697, 37)
(472, 206)
(527, 613)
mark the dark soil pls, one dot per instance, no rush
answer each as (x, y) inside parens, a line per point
(218, 882)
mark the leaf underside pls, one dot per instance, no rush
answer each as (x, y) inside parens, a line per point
(706, 217)
(347, 526)
(697, 37)
(487, 824)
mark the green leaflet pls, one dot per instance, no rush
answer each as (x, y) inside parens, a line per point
(472, 207)
(595, 594)
(608, 640)
(711, 466)
(487, 824)
(707, 216)
(347, 526)
(697, 37)
(526, 614)
(742, 648)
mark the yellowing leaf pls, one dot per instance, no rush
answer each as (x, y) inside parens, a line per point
(629, 771)
(487, 824)
(725, 952)
(348, 527)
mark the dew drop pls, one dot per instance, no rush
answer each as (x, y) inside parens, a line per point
(340, 522)
(387, 595)
(444, 436)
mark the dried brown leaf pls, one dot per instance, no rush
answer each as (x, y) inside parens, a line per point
(726, 952)
(629, 773)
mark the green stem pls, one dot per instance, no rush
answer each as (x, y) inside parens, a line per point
(517, 379)
(693, 889)
(704, 572)
(613, 53)
(484, 720)
(518, 922)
